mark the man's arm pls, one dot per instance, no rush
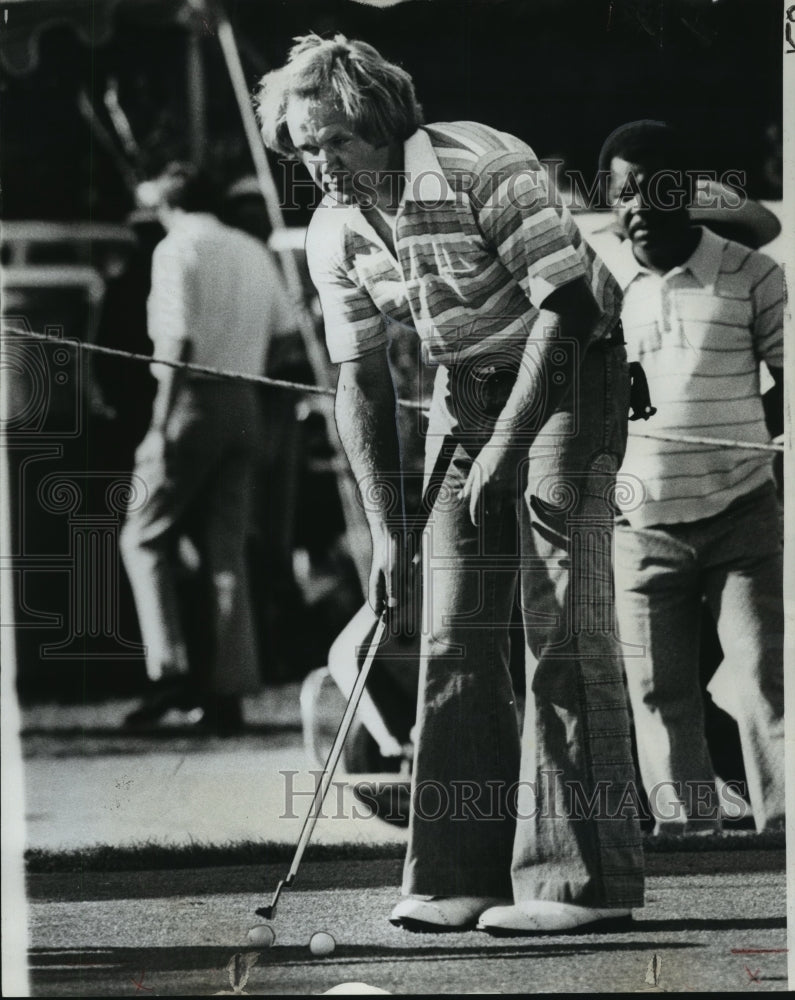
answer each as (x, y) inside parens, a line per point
(768, 333)
(568, 314)
(366, 415)
(537, 243)
(169, 380)
(365, 405)
(154, 445)
(773, 402)
(168, 308)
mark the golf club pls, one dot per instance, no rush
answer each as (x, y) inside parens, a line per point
(318, 798)
(435, 479)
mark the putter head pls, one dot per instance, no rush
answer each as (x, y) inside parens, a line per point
(268, 911)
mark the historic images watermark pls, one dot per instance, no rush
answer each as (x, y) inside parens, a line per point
(545, 799)
(533, 187)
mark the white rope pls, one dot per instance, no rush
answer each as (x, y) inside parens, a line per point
(149, 359)
(713, 442)
(317, 390)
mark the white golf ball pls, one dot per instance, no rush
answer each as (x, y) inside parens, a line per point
(322, 943)
(262, 935)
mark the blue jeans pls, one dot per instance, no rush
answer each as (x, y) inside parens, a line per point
(536, 815)
(734, 561)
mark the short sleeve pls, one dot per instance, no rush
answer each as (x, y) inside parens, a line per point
(172, 291)
(354, 326)
(768, 301)
(522, 221)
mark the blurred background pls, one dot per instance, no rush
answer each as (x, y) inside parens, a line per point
(98, 94)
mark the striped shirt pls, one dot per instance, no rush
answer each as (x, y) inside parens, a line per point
(220, 289)
(480, 243)
(700, 332)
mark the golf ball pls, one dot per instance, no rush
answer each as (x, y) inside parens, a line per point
(322, 943)
(262, 935)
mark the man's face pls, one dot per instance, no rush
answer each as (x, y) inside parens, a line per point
(649, 200)
(332, 152)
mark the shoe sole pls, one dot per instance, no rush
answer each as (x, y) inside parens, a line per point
(424, 927)
(593, 926)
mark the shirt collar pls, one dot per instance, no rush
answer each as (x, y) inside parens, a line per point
(625, 266)
(425, 182)
(703, 263)
(194, 220)
(425, 179)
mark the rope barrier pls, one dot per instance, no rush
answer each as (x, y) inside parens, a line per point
(713, 442)
(149, 359)
(316, 390)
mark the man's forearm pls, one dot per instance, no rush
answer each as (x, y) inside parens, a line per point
(565, 328)
(164, 400)
(367, 424)
(773, 402)
(536, 383)
(168, 382)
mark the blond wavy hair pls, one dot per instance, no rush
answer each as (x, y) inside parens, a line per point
(376, 96)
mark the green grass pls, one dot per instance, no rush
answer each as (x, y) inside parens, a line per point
(729, 840)
(154, 857)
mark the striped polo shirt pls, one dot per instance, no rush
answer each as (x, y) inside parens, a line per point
(700, 332)
(480, 243)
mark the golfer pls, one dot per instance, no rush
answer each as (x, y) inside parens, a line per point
(450, 228)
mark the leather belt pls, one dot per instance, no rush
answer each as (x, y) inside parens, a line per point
(485, 371)
(615, 338)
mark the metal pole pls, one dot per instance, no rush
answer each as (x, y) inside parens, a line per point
(269, 192)
(197, 97)
(357, 530)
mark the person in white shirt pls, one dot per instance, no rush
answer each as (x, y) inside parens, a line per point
(216, 299)
(700, 522)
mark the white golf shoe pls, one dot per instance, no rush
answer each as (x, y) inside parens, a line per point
(543, 916)
(441, 913)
